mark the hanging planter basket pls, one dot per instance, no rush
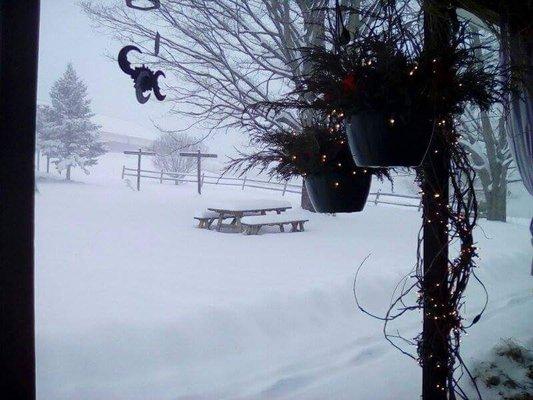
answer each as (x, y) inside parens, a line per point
(337, 192)
(379, 140)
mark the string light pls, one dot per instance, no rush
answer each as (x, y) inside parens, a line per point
(431, 296)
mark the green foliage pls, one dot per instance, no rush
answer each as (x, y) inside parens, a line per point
(384, 71)
(320, 148)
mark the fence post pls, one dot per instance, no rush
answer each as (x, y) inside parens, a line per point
(123, 169)
(377, 197)
(243, 182)
(203, 177)
(161, 177)
(285, 188)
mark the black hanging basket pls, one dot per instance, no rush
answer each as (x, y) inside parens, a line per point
(337, 192)
(379, 140)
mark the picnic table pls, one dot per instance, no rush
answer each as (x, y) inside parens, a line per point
(240, 209)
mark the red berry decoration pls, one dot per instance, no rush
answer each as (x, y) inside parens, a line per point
(348, 83)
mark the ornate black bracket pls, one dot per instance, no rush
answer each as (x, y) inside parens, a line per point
(144, 78)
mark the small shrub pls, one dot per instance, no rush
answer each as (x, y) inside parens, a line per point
(493, 380)
(514, 351)
(523, 396)
(508, 373)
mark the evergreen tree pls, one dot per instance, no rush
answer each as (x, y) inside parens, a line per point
(66, 132)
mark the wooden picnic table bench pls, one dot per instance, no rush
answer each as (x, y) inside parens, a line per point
(206, 218)
(240, 209)
(252, 225)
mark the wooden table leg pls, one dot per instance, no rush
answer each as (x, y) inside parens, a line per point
(219, 223)
(238, 217)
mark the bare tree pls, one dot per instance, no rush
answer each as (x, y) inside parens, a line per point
(486, 139)
(167, 150)
(226, 55)
(484, 134)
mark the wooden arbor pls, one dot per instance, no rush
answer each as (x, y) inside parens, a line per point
(139, 153)
(199, 155)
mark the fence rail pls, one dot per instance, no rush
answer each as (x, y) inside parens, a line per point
(378, 197)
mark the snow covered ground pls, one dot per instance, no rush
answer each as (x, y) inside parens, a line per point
(134, 302)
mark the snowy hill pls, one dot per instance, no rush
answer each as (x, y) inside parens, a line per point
(134, 302)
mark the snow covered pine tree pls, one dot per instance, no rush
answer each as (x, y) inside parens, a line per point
(67, 133)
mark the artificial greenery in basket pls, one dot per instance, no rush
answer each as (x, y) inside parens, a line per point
(319, 154)
(393, 93)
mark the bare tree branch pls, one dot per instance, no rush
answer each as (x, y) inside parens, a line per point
(223, 55)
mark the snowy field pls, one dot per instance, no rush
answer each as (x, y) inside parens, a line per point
(134, 302)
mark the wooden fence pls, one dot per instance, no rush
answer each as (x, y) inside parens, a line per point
(378, 197)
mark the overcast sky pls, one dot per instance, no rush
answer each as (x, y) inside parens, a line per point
(66, 35)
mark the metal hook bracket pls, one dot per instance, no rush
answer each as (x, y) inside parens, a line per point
(155, 5)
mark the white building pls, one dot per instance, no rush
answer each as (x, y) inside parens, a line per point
(120, 135)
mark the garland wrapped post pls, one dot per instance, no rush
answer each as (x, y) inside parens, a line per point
(434, 349)
(389, 75)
